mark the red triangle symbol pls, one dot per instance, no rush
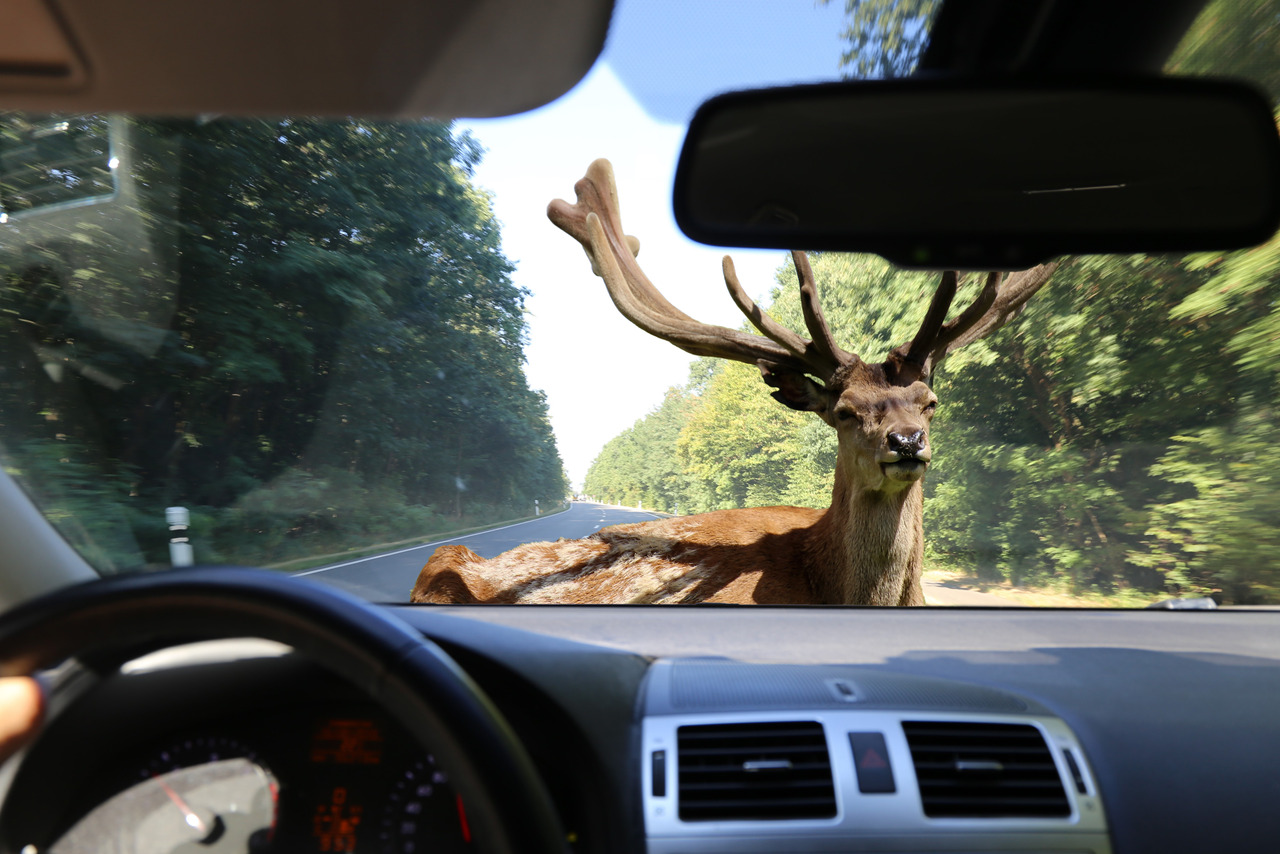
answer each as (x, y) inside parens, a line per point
(872, 759)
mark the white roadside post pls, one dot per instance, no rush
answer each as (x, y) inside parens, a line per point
(536, 510)
(180, 552)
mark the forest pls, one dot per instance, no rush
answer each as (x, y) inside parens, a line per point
(1113, 439)
(304, 331)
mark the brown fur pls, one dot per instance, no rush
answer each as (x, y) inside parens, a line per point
(701, 558)
(866, 549)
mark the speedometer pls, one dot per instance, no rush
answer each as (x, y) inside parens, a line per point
(196, 750)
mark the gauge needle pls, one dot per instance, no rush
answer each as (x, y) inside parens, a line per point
(193, 819)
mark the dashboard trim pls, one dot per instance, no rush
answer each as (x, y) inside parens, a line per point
(866, 821)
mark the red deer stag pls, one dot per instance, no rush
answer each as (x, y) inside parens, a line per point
(865, 549)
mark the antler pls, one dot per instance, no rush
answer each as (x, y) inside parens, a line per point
(596, 223)
(1000, 300)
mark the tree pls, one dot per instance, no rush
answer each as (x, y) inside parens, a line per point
(1109, 440)
(885, 38)
(335, 330)
(640, 464)
(1233, 38)
(1096, 442)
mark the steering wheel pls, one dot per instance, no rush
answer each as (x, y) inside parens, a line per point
(413, 679)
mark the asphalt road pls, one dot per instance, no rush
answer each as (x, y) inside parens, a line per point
(389, 577)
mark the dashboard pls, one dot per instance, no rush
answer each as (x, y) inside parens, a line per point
(700, 730)
(751, 757)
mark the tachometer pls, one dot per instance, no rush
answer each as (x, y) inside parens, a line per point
(423, 813)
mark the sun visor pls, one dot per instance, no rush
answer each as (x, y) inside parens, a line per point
(392, 58)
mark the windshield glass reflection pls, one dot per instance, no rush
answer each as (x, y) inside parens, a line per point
(331, 340)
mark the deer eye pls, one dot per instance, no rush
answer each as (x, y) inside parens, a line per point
(846, 414)
(930, 408)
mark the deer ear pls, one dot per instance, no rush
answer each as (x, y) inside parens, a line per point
(794, 389)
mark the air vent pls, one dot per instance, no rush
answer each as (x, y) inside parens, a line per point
(975, 770)
(754, 771)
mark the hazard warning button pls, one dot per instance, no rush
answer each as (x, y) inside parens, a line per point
(871, 760)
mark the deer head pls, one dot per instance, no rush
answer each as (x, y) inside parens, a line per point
(880, 411)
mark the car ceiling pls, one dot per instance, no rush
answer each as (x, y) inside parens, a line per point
(435, 57)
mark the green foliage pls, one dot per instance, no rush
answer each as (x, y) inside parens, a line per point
(733, 446)
(89, 507)
(1242, 282)
(1216, 528)
(736, 446)
(1217, 532)
(640, 465)
(1233, 38)
(885, 38)
(1111, 439)
(305, 512)
(306, 328)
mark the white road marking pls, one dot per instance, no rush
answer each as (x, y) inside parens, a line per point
(426, 546)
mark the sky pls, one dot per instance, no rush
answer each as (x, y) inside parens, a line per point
(600, 373)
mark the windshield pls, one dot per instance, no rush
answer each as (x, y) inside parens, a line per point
(329, 346)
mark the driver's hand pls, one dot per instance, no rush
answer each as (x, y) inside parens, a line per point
(21, 710)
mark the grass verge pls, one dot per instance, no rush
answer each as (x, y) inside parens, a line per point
(1041, 596)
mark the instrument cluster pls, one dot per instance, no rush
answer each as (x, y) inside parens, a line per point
(301, 763)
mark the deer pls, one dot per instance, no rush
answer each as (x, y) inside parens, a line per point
(867, 548)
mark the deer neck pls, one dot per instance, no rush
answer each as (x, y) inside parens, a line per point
(868, 548)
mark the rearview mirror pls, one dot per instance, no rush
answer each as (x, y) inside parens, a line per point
(994, 175)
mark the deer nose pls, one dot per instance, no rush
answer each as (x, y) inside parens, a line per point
(908, 447)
